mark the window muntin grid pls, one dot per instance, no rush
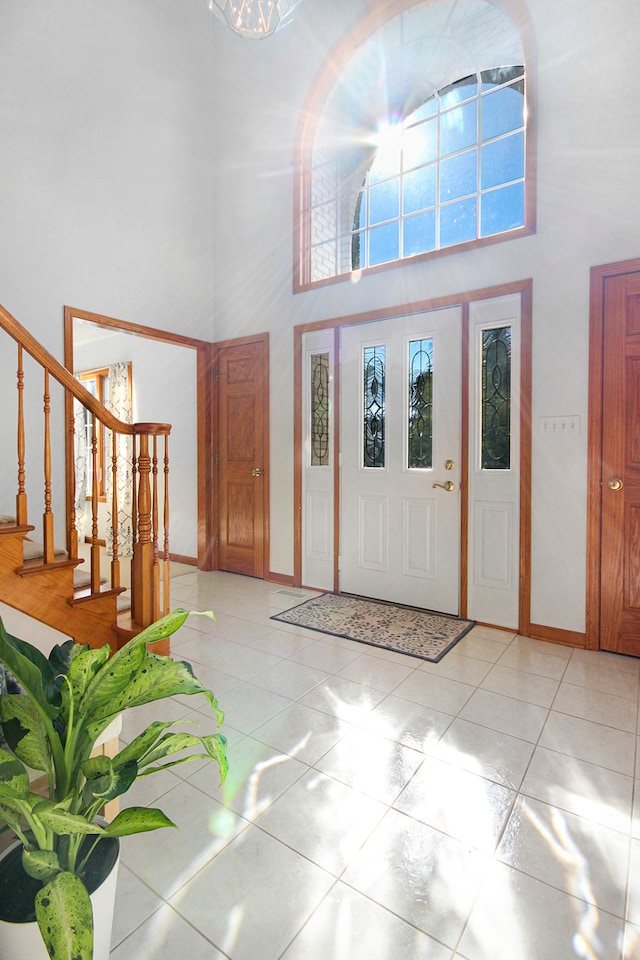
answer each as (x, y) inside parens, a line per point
(458, 177)
(410, 202)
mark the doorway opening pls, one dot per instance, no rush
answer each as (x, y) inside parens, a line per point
(180, 372)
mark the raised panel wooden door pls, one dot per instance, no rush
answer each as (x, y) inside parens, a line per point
(243, 468)
(620, 479)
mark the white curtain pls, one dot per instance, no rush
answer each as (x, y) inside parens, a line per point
(82, 453)
(118, 402)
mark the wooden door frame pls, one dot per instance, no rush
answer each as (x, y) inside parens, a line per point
(262, 338)
(204, 418)
(524, 288)
(599, 275)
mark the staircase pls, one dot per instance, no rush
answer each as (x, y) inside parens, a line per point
(50, 582)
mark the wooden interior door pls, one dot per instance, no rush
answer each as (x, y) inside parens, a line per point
(243, 450)
(620, 475)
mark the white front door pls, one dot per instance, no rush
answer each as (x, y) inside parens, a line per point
(400, 459)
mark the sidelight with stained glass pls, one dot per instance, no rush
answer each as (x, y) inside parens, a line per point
(496, 399)
(320, 410)
(420, 425)
(374, 375)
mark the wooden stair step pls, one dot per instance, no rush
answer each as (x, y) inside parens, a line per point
(37, 566)
(81, 596)
(34, 550)
(82, 579)
(124, 602)
(13, 530)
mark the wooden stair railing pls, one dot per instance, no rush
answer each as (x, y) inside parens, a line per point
(150, 596)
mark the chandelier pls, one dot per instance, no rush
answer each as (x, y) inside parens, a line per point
(254, 19)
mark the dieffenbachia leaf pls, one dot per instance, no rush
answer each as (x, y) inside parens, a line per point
(137, 820)
(214, 746)
(14, 779)
(40, 864)
(155, 679)
(65, 917)
(84, 666)
(55, 818)
(31, 669)
(25, 731)
(105, 780)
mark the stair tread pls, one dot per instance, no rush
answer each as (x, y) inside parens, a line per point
(12, 529)
(84, 594)
(82, 579)
(36, 565)
(34, 550)
(123, 602)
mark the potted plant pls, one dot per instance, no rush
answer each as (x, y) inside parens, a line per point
(67, 700)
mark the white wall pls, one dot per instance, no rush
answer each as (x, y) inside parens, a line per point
(146, 173)
(164, 390)
(106, 120)
(588, 213)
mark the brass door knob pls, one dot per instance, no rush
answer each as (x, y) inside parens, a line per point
(615, 483)
(256, 472)
(448, 485)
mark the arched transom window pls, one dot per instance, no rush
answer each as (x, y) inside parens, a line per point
(420, 144)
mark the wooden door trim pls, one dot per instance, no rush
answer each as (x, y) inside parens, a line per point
(204, 428)
(337, 391)
(463, 599)
(263, 339)
(599, 275)
(526, 390)
(524, 288)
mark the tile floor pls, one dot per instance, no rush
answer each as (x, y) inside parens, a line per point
(379, 807)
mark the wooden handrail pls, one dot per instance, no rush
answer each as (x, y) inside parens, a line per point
(145, 514)
(22, 337)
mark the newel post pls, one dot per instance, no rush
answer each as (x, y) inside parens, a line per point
(144, 582)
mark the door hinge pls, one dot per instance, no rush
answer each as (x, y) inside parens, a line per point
(217, 541)
(217, 459)
(216, 374)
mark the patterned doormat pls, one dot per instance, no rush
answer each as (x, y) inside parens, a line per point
(417, 633)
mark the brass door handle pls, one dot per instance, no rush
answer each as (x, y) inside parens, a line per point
(615, 484)
(256, 472)
(448, 485)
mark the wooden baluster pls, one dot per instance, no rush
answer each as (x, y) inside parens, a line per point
(142, 571)
(47, 519)
(95, 546)
(72, 518)
(134, 519)
(115, 521)
(21, 497)
(155, 521)
(167, 566)
(134, 505)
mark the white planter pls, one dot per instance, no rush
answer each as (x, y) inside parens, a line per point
(22, 941)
